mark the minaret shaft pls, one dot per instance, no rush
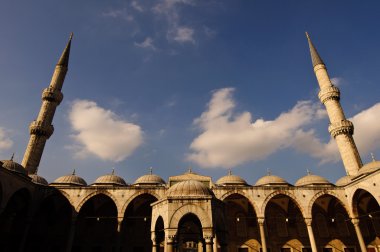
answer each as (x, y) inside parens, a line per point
(41, 129)
(340, 128)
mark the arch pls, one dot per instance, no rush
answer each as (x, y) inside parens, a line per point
(93, 194)
(187, 209)
(355, 197)
(285, 193)
(133, 197)
(251, 201)
(159, 231)
(67, 196)
(321, 193)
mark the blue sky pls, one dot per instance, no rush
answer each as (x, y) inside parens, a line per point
(176, 83)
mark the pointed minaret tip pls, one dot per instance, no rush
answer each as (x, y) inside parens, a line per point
(315, 58)
(64, 59)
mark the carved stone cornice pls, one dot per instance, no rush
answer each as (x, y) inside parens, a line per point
(343, 127)
(40, 129)
(52, 95)
(330, 93)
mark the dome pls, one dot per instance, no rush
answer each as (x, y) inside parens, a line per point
(110, 179)
(38, 179)
(14, 167)
(369, 167)
(344, 180)
(231, 179)
(312, 180)
(70, 180)
(150, 179)
(189, 188)
(271, 180)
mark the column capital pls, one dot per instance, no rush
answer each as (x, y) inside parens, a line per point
(355, 221)
(308, 221)
(261, 220)
(208, 239)
(170, 238)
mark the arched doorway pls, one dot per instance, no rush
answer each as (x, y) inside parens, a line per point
(49, 228)
(159, 233)
(331, 224)
(96, 227)
(367, 210)
(13, 221)
(286, 228)
(135, 232)
(189, 234)
(241, 223)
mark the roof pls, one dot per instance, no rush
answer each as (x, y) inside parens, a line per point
(190, 175)
(38, 179)
(369, 167)
(312, 180)
(110, 179)
(149, 179)
(188, 188)
(344, 180)
(231, 179)
(70, 180)
(13, 166)
(270, 180)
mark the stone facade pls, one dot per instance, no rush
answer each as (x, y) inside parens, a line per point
(191, 212)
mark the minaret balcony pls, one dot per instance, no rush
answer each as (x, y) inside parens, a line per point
(52, 95)
(330, 93)
(40, 129)
(343, 127)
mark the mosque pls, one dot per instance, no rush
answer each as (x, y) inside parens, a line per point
(190, 212)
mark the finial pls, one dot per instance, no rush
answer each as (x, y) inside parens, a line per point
(151, 170)
(315, 58)
(113, 171)
(189, 170)
(308, 172)
(73, 172)
(13, 155)
(64, 59)
(373, 157)
(269, 172)
(229, 172)
(71, 36)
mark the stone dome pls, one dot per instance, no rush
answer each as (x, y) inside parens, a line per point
(369, 167)
(14, 166)
(110, 179)
(231, 179)
(149, 179)
(189, 188)
(38, 179)
(70, 180)
(271, 180)
(344, 180)
(312, 180)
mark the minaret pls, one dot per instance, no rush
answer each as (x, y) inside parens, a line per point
(42, 128)
(340, 128)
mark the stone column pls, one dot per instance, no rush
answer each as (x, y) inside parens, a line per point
(170, 243)
(313, 245)
(118, 233)
(262, 234)
(363, 247)
(155, 245)
(208, 241)
(70, 240)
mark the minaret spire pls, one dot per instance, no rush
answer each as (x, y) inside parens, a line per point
(41, 129)
(340, 128)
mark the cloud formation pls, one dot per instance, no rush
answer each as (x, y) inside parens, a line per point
(147, 43)
(118, 14)
(102, 133)
(228, 139)
(5, 142)
(184, 35)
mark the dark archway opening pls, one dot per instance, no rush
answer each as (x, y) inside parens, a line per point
(368, 211)
(189, 234)
(96, 228)
(285, 226)
(135, 232)
(13, 221)
(159, 232)
(332, 226)
(51, 224)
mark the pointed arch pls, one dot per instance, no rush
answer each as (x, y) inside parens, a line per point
(93, 194)
(124, 207)
(321, 193)
(250, 200)
(285, 193)
(202, 215)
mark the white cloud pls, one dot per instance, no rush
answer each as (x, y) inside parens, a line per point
(183, 35)
(137, 6)
(102, 133)
(118, 13)
(147, 43)
(5, 142)
(168, 6)
(229, 139)
(337, 81)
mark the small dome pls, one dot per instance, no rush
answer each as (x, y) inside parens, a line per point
(312, 180)
(344, 180)
(369, 167)
(38, 179)
(189, 188)
(231, 179)
(150, 179)
(110, 179)
(14, 167)
(271, 180)
(70, 180)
